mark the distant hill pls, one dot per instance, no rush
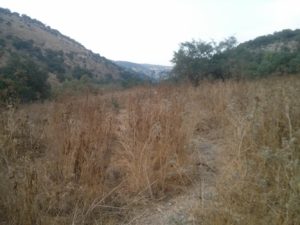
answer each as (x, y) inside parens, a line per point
(60, 56)
(154, 72)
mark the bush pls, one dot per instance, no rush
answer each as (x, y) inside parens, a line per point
(55, 61)
(79, 72)
(22, 44)
(23, 79)
(2, 43)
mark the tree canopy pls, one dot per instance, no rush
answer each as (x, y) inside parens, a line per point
(198, 60)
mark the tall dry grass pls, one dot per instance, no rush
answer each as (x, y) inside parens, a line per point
(258, 182)
(151, 142)
(94, 159)
(87, 160)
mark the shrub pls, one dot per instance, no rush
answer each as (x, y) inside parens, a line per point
(23, 79)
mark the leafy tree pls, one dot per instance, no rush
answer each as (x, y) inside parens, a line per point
(192, 60)
(227, 44)
(198, 60)
(220, 63)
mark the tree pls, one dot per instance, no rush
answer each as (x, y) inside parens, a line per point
(228, 44)
(193, 60)
(276, 54)
(198, 60)
(221, 63)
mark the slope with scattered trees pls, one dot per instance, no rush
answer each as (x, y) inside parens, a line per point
(276, 54)
(59, 57)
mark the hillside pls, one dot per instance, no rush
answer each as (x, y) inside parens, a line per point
(60, 56)
(274, 54)
(155, 72)
(286, 40)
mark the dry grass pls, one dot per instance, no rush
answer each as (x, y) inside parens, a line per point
(87, 160)
(94, 159)
(259, 176)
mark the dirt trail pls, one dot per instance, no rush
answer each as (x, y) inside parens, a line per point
(179, 209)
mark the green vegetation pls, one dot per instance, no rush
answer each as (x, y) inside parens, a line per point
(47, 60)
(79, 72)
(23, 79)
(55, 61)
(198, 60)
(20, 44)
(51, 59)
(72, 77)
(130, 80)
(68, 64)
(2, 43)
(277, 54)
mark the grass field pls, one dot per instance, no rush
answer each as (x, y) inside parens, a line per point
(95, 159)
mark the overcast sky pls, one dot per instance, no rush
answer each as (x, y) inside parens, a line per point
(149, 31)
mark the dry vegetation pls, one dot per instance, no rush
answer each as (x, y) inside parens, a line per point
(259, 180)
(95, 159)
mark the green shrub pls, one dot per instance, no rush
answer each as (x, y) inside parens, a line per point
(23, 79)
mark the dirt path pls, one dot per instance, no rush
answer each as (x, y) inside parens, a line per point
(179, 209)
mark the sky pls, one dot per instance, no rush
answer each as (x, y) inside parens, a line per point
(149, 31)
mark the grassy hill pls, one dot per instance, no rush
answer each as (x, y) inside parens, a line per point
(60, 57)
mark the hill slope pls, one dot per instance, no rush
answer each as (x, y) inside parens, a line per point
(274, 54)
(285, 40)
(58, 54)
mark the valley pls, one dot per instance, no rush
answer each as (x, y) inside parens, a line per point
(212, 140)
